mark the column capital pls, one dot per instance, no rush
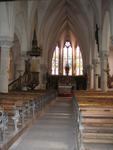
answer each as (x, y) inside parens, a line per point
(6, 41)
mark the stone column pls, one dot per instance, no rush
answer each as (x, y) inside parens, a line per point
(104, 61)
(42, 77)
(21, 65)
(96, 73)
(90, 72)
(4, 65)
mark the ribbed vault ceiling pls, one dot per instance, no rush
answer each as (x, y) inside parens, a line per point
(69, 17)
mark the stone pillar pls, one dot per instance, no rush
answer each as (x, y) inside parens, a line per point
(42, 77)
(4, 66)
(96, 73)
(21, 67)
(90, 72)
(104, 61)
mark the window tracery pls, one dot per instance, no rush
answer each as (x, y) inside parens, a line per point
(69, 56)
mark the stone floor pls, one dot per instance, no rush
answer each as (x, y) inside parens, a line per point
(53, 131)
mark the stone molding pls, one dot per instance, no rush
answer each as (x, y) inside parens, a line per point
(23, 53)
(103, 54)
(6, 41)
(90, 67)
(111, 39)
(96, 61)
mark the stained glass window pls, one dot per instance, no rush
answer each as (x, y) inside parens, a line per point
(55, 62)
(79, 62)
(72, 57)
(67, 57)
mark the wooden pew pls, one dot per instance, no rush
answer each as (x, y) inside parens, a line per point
(17, 106)
(24, 102)
(96, 118)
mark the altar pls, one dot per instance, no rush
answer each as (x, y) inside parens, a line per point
(64, 89)
(64, 83)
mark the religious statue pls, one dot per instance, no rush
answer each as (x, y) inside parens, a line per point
(67, 69)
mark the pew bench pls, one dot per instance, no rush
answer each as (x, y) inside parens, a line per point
(96, 119)
(17, 107)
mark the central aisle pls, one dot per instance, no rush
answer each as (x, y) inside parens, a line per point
(53, 131)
